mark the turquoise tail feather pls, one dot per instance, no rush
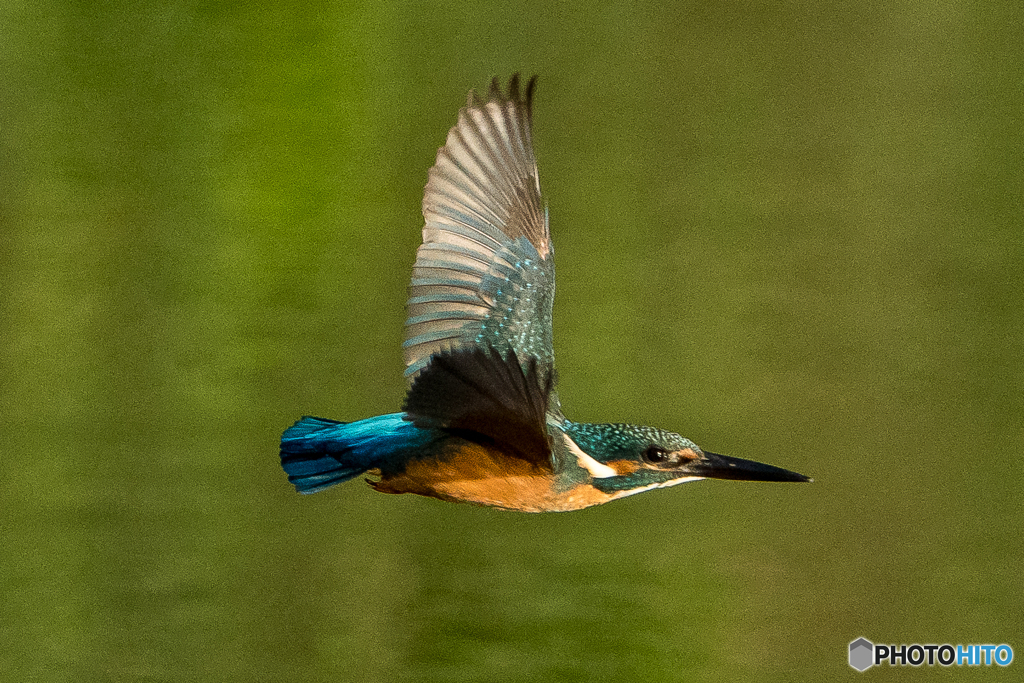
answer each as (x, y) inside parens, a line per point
(317, 453)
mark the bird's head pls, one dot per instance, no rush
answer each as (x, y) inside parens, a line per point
(631, 458)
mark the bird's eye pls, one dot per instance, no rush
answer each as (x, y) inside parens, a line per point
(655, 455)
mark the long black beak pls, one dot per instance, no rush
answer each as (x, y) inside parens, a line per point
(715, 466)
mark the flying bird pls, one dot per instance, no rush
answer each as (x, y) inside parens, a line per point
(481, 422)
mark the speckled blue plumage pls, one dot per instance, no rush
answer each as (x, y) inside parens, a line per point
(607, 442)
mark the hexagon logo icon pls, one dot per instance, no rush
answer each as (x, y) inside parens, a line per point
(862, 654)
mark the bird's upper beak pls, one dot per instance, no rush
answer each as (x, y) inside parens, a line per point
(715, 466)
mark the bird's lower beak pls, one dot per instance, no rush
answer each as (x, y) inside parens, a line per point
(715, 466)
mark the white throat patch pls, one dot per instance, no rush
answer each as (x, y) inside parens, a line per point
(662, 485)
(597, 470)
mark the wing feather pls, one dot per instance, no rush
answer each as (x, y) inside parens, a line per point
(484, 275)
(499, 402)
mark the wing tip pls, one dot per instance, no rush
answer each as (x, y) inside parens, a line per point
(514, 94)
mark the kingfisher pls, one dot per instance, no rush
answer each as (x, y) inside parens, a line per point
(481, 422)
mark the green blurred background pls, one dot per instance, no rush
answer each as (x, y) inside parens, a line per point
(790, 231)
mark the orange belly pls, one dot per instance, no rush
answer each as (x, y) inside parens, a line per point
(470, 473)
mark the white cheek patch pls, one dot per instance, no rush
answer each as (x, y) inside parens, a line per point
(662, 485)
(597, 470)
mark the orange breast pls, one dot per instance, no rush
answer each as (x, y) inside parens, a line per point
(471, 473)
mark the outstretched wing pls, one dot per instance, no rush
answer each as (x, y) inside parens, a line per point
(499, 402)
(484, 276)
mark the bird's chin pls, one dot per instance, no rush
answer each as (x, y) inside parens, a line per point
(656, 485)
